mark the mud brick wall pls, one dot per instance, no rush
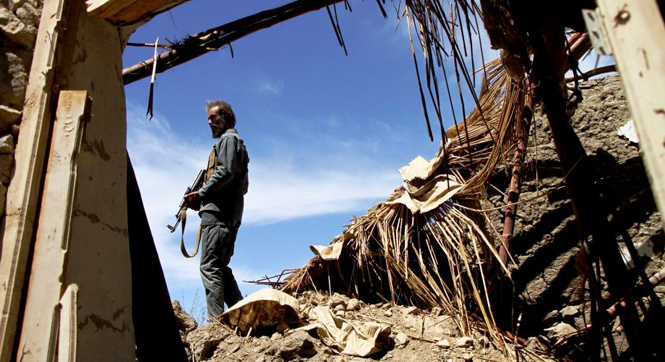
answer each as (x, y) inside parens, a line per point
(19, 20)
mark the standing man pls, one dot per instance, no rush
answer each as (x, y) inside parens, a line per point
(221, 200)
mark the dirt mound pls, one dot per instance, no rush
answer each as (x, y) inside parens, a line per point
(416, 335)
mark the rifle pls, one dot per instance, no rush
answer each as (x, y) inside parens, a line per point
(198, 182)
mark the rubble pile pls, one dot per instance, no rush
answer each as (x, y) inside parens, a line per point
(413, 335)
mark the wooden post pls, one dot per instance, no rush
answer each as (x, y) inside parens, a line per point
(637, 34)
(49, 263)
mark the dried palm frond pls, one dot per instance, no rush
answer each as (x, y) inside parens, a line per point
(428, 260)
(443, 34)
(438, 257)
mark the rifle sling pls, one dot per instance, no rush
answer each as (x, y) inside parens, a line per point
(183, 217)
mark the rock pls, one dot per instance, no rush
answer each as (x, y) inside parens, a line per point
(339, 307)
(275, 336)
(6, 164)
(8, 117)
(353, 304)
(386, 306)
(260, 359)
(569, 312)
(338, 299)
(536, 344)
(559, 330)
(464, 342)
(3, 198)
(203, 341)
(444, 343)
(7, 144)
(401, 339)
(411, 311)
(13, 4)
(388, 313)
(340, 313)
(183, 320)
(14, 69)
(551, 316)
(298, 343)
(30, 16)
(483, 341)
(16, 30)
(468, 357)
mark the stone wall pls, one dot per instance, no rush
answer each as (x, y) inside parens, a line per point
(19, 20)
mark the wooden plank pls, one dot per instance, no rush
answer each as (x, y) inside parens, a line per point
(98, 259)
(637, 35)
(52, 238)
(130, 11)
(25, 187)
(68, 328)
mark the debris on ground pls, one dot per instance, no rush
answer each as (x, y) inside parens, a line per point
(409, 334)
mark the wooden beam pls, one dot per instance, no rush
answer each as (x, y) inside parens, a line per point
(25, 187)
(122, 12)
(215, 38)
(637, 34)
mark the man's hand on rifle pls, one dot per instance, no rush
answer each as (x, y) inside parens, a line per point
(193, 200)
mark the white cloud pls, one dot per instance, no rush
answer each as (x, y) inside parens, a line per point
(270, 86)
(280, 188)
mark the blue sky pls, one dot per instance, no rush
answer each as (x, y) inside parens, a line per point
(326, 132)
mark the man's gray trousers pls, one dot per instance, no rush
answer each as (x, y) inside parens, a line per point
(218, 240)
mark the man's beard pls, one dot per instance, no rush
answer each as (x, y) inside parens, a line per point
(217, 131)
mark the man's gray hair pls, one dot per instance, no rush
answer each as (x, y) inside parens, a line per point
(224, 110)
